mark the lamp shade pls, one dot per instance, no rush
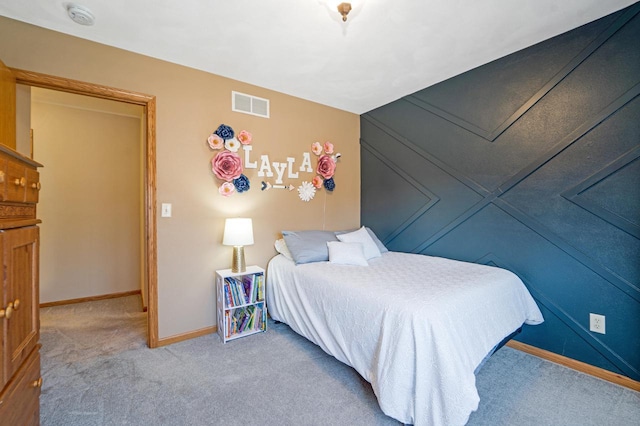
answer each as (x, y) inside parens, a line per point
(238, 232)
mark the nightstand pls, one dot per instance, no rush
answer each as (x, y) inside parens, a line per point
(241, 307)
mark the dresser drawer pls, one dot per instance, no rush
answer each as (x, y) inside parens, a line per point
(19, 190)
(32, 188)
(19, 402)
(19, 178)
(16, 181)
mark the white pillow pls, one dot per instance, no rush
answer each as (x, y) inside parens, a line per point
(361, 236)
(346, 253)
(281, 247)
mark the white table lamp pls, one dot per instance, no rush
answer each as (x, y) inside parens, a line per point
(238, 232)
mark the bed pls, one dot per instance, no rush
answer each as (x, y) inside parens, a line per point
(416, 327)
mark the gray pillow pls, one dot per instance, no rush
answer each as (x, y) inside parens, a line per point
(375, 239)
(308, 246)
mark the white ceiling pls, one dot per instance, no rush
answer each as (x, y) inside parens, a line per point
(386, 49)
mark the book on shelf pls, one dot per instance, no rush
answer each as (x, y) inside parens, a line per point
(252, 318)
(233, 326)
(231, 290)
(239, 315)
(260, 287)
(227, 295)
(240, 291)
(248, 282)
(246, 316)
(257, 318)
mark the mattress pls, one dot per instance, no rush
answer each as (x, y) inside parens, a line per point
(414, 326)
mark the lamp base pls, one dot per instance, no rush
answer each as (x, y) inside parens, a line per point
(238, 264)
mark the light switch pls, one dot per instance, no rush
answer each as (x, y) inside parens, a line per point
(166, 209)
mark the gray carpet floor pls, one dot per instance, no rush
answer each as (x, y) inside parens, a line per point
(97, 370)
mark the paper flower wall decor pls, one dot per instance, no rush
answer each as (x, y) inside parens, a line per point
(227, 163)
(227, 189)
(306, 191)
(325, 170)
(244, 137)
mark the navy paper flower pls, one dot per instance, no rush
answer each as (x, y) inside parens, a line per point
(225, 132)
(241, 183)
(329, 184)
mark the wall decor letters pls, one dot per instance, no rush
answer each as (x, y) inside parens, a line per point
(228, 165)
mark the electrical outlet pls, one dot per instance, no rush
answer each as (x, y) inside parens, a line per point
(597, 323)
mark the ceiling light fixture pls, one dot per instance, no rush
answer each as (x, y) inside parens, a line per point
(80, 14)
(344, 9)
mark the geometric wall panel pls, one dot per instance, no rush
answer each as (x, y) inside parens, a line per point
(555, 197)
(516, 74)
(613, 193)
(410, 199)
(569, 323)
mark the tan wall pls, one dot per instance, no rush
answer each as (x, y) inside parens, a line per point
(90, 211)
(191, 104)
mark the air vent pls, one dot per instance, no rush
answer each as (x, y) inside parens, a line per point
(248, 104)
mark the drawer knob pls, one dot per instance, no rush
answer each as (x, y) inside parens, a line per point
(1, 176)
(10, 309)
(36, 185)
(20, 181)
(37, 383)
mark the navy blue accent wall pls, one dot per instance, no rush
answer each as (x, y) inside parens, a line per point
(530, 163)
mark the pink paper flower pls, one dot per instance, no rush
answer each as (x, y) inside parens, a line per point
(326, 166)
(317, 182)
(227, 165)
(215, 141)
(316, 148)
(227, 189)
(244, 137)
(328, 148)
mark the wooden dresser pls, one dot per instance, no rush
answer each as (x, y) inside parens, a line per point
(20, 379)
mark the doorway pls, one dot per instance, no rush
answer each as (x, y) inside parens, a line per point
(149, 171)
(91, 212)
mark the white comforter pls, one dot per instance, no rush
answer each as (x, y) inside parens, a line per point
(416, 327)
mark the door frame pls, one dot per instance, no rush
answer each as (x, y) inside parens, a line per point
(45, 81)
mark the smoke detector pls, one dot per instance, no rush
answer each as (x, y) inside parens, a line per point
(80, 14)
